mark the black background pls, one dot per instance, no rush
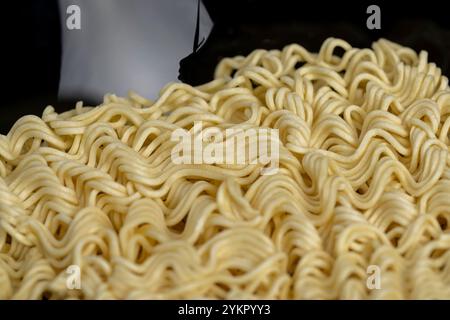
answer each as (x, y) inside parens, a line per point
(32, 45)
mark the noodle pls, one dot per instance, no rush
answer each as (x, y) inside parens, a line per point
(363, 180)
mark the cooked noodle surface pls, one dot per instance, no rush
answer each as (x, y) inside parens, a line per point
(363, 180)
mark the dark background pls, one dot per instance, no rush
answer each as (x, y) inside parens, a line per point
(32, 45)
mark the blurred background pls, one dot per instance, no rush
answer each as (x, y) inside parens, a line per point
(32, 38)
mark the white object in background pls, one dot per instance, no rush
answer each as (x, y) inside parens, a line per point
(125, 45)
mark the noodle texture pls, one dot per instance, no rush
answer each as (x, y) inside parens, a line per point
(92, 205)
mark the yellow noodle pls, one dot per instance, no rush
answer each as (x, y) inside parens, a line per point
(363, 180)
